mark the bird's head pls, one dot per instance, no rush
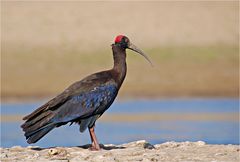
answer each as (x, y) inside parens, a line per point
(125, 43)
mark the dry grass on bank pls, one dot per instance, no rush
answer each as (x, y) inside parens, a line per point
(177, 71)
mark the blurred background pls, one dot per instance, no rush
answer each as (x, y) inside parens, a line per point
(191, 93)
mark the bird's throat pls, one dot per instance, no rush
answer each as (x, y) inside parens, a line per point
(120, 66)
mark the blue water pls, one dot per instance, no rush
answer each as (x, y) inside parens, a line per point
(214, 132)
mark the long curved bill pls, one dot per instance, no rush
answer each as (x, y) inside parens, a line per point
(136, 49)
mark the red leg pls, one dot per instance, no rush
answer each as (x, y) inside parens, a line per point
(95, 145)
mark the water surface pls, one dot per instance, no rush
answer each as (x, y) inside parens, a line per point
(212, 120)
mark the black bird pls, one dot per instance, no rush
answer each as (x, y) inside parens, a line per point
(84, 101)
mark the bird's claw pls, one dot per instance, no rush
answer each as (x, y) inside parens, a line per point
(94, 148)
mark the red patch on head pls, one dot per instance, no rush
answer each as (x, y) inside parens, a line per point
(118, 38)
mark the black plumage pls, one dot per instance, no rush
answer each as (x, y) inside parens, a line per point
(84, 101)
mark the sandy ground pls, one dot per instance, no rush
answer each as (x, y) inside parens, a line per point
(130, 152)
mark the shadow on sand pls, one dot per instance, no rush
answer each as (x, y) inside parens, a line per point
(87, 146)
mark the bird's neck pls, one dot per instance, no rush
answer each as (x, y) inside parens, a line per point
(120, 66)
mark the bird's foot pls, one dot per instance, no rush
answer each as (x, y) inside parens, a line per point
(94, 148)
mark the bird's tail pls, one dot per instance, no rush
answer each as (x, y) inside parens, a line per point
(35, 128)
(38, 134)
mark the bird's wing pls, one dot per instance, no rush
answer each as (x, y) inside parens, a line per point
(75, 89)
(87, 104)
(60, 99)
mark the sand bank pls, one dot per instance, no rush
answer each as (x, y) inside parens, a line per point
(133, 151)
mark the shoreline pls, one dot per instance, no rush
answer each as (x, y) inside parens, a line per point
(129, 152)
(12, 100)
